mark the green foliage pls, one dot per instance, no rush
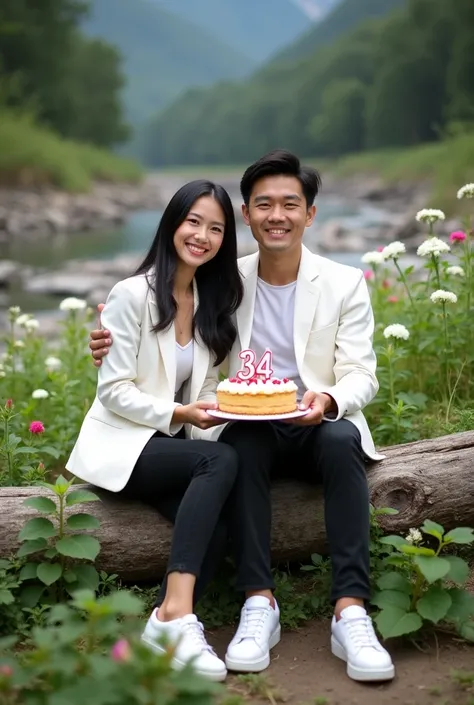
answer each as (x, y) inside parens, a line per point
(75, 82)
(396, 77)
(53, 574)
(417, 585)
(35, 156)
(90, 650)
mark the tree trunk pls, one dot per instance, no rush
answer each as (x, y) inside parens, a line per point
(426, 479)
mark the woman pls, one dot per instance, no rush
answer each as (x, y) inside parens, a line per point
(173, 326)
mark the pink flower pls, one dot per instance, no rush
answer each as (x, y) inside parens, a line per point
(380, 248)
(36, 427)
(368, 274)
(385, 284)
(392, 299)
(457, 236)
(6, 671)
(9, 404)
(121, 651)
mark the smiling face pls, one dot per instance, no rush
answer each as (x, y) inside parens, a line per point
(278, 213)
(200, 235)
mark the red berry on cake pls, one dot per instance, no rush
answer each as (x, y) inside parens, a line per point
(276, 381)
(285, 380)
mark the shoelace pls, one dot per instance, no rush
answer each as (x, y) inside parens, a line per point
(253, 619)
(362, 633)
(195, 630)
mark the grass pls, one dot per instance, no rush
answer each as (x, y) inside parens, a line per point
(446, 165)
(34, 156)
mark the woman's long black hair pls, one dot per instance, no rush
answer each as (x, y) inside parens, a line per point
(218, 280)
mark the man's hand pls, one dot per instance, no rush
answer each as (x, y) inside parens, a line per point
(319, 405)
(100, 341)
(196, 415)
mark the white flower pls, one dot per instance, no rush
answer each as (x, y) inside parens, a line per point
(40, 394)
(72, 304)
(14, 311)
(19, 344)
(430, 215)
(22, 320)
(396, 330)
(441, 296)
(455, 271)
(433, 246)
(373, 258)
(2, 373)
(414, 536)
(393, 250)
(466, 191)
(53, 363)
(32, 324)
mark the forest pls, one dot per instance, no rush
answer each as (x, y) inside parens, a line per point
(401, 80)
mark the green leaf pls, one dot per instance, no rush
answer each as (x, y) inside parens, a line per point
(389, 598)
(41, 504)
(69, 576)
(79, 496)
(6, 597)
(49, 450)
(50, 553)
(86, 577)
(459, 570)
(39, 528)
(462, 606)
(463, 534)
(385, 510)
(393, 621)
(30, 547)
(410, 550)
(434, 604)
(394, 581)
(48, 573)
(466, 630)
(28, 572)
(31, 594)
(394, 540)
(433, 529)
(432, 567)
(80, 546)
(124, 603)
(82, 521)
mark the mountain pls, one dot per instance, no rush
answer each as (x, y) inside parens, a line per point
(343, 17)
(259, 28)
(163, 53)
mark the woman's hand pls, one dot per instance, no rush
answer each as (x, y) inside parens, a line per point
(196, 414)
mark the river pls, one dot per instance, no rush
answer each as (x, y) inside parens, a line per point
(135, 235)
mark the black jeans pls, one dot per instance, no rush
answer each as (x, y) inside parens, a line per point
(188, 482)
(330, 453)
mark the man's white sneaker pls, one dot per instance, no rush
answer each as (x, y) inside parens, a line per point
(258, 631)
(187, 635)
(353, 640)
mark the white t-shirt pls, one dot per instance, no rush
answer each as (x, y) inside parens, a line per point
(184, 365)
(272, 328)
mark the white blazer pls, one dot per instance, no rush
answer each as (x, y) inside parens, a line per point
(136, 388)
(333, 332)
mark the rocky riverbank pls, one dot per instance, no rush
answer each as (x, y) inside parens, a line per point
(45, 213)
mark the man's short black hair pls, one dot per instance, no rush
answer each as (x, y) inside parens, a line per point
(276, 163)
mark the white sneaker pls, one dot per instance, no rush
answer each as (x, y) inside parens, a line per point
(258, 631)
(353, 640)
(187, 636)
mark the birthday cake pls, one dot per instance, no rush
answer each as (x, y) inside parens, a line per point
(256, 396)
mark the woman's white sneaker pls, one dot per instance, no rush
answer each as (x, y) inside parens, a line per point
(258, 631)
(353, 640)
(187, 636)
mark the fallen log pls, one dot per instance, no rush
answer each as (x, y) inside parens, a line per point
(426, 479)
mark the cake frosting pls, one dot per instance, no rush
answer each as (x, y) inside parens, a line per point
(257, 396)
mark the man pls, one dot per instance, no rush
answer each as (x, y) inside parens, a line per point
(315, 316)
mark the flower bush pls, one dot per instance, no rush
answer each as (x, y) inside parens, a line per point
(424, 333)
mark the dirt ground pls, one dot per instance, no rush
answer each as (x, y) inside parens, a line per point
(304, 672)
